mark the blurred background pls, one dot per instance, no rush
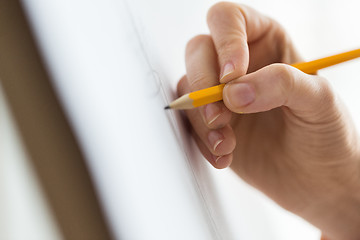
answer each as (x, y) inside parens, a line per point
(318, 28)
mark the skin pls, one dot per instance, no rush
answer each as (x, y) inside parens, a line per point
(281, 130)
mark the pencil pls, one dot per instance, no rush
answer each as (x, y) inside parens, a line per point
(214, 94)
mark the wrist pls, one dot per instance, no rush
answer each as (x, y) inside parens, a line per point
(337, 214)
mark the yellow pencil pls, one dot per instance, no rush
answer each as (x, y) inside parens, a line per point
(214, 94)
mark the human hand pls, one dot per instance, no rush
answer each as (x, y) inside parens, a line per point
(285, 132)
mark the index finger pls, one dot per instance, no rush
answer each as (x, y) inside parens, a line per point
(232, 26)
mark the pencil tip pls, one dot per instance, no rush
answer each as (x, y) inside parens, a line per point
(167, 107)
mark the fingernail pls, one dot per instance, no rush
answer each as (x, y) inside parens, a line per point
(215, 138)
(239, 94)
(217, 158)
(212, 112)
(228, 69)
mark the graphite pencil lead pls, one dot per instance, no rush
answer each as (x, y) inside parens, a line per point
(167, 107)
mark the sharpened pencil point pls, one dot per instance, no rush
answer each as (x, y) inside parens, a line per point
(167, 107)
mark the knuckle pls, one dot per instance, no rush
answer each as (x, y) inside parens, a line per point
(229, 44)
(284, 45)
(315, 90)
(326, 92)
(280, 33)
(219, 9)
(198, 80)
(196, 42)
(284, 77)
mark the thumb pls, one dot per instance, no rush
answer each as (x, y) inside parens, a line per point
(279, 85)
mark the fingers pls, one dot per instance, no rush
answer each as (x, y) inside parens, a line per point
(216, 145)
(202, 72)
(211, 122)
(279, 85)
(217, 161)
(232, 26)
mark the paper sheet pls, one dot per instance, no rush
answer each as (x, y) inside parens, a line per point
(115, 65)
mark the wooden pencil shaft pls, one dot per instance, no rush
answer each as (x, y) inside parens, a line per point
(313, 66)
(214, 94)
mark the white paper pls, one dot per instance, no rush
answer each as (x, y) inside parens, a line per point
(115, 65)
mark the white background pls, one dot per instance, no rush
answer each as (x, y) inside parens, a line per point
(318, 28)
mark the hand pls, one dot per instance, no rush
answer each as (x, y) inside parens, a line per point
(285, 132)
